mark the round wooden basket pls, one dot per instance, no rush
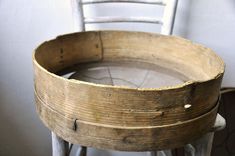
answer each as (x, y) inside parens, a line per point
(121, 117)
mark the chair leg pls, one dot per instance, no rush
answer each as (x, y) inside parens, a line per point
(166, 153)
(160, 153)
(203, 146)
(83, 151)
(152, 153)
(189, 150)
(200, 147)
(60, 147)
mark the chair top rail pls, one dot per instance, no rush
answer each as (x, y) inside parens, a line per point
(157, 2)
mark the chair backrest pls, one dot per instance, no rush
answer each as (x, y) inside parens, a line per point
(166, 22)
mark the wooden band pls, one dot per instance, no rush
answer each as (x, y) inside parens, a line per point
(126, 138)
(123, 118)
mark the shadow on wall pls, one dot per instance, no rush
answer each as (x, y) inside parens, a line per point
(12, 139)
(183, 18)
(232, 2)
(21, 133)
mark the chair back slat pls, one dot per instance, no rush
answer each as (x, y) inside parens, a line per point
(166, 22)
(121, 19)
(157, 2)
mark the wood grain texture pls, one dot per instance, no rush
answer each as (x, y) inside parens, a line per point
(124, 118)
(145, 138)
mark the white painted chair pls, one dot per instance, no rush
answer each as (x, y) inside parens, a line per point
(200, 147)
(167, 21)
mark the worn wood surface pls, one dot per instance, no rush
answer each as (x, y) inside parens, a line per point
(121, 117)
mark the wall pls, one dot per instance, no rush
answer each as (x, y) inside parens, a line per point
(24, 24)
